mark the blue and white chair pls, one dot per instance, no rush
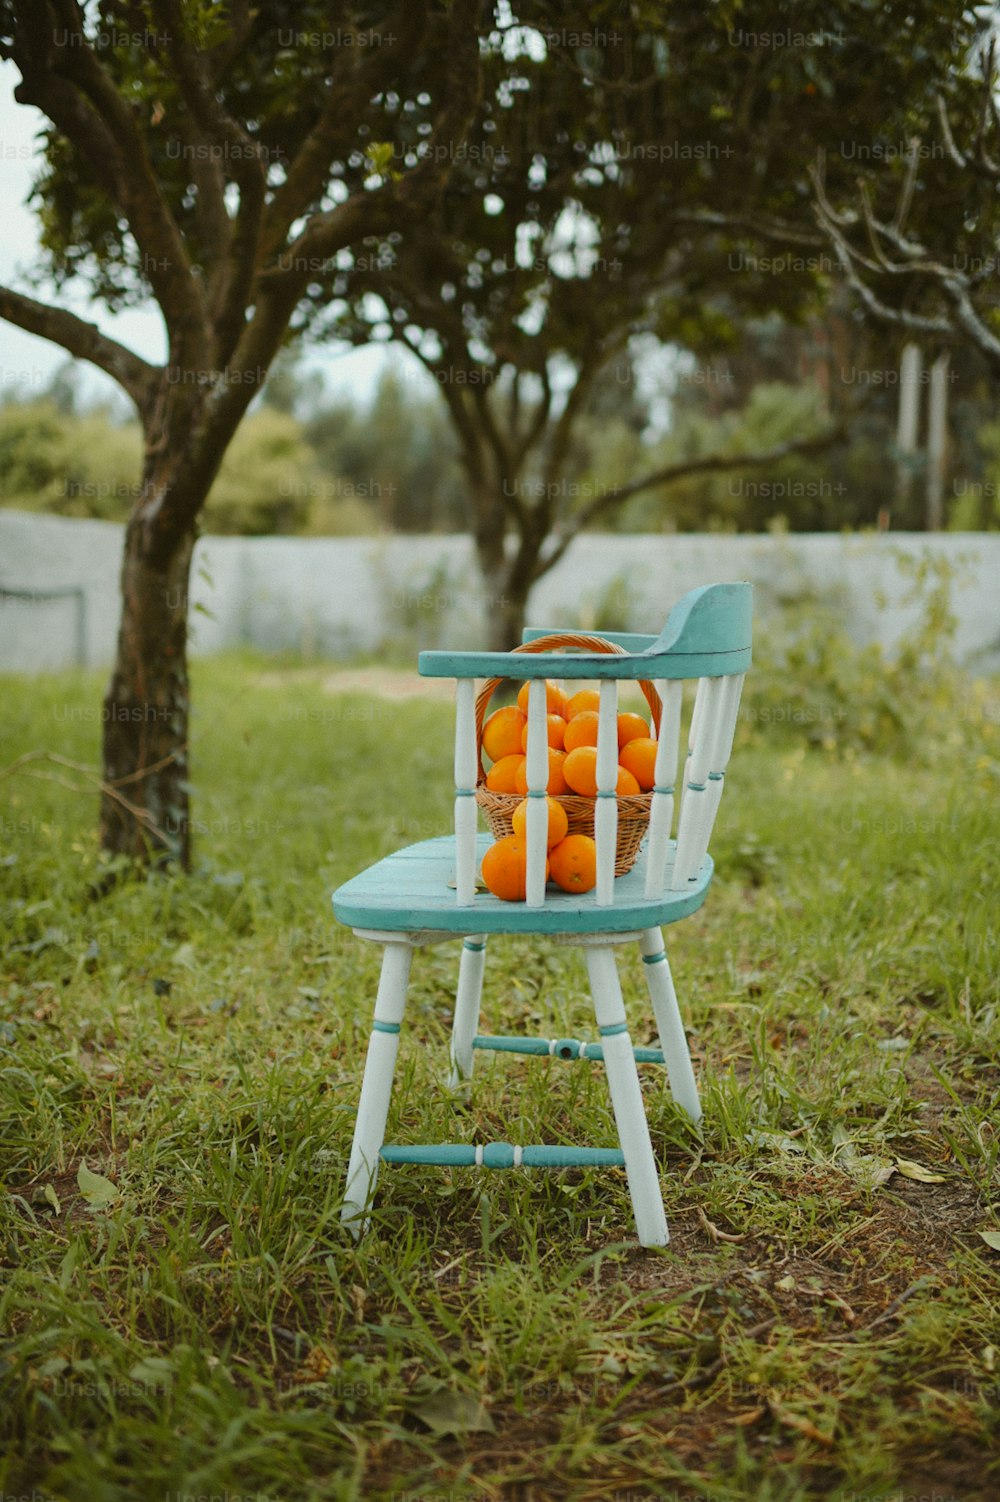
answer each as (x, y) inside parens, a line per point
(428, 892)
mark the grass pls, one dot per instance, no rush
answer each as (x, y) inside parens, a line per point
(823, 1324)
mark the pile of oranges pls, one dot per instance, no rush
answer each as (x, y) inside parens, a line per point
(572, 736)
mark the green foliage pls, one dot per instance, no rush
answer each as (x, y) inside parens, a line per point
(349, 469)
(395, 453)
(273, 80)
(751, 500)
(811, 680)
(72, 465)
(976, 505)
(265, 480)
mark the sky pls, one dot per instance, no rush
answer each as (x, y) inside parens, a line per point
(28, 363)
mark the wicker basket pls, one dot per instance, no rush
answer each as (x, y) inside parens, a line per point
(633, 812)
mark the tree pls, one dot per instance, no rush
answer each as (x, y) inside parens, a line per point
(395, 454)
(853, 362)
(917, 268)
(616, 185)
(211, 157)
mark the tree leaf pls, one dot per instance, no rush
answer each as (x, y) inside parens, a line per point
(992, 1239)
(866, 1169)
(451, 1412)
(911, 1170)
(758, 1137)
(98, 1191)
(52, 1198)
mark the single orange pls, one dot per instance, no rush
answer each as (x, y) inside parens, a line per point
(505, 867)
(639, 758)
(581, 730)
(555, 726)
(573, 863)
(556, 783)
(627, 785)
(631, 726)
(585, 698)
(580, 770)
(502, 776)
(558, 822)
(502, 733)
(555, 699)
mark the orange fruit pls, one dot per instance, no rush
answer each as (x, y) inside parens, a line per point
(581, 730)
(555, 699)
(573, 863)
(556, 783)
(580, 770)
(585, 698)
(502, 733)
(630, 727)
(502, 776)
(555, 725)
(505, 867)
(627, 785)
(639, 758)
(558, 822)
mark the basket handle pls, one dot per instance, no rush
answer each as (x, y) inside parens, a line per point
(550, 644)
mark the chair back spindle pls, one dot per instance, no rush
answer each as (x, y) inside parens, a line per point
(606, 803)
(661, 817)
(466, 769)
(710, 742)
(537, 775)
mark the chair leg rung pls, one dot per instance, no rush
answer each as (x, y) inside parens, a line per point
(503, 1155)
(559, 1048)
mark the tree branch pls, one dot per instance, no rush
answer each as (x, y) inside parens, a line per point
(308, 173)
(765, 227)
(329, 231)
(682, 469)
(564, 423)
(68, 82)
(916, 262)
(236, 246)
(85, 341)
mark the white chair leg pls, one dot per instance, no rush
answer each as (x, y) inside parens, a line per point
(376, 1088)
(467, 1000)
(683, 1086)
(626, 1097)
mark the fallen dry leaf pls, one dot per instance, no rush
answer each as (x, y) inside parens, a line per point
(911, 1170)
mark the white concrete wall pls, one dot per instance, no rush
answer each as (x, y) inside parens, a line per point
(343, 596)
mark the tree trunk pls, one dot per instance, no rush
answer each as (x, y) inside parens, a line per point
(507, 576)
(506, 620)
(146, 707)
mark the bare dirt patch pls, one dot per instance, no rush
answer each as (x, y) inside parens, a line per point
(388, 683)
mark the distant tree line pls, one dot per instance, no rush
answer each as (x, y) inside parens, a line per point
(309, 463)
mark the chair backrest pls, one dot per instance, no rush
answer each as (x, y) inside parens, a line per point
(707, 639)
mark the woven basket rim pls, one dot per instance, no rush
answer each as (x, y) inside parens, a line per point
(551, 643)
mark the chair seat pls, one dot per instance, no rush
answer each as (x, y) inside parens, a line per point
(414, 889)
